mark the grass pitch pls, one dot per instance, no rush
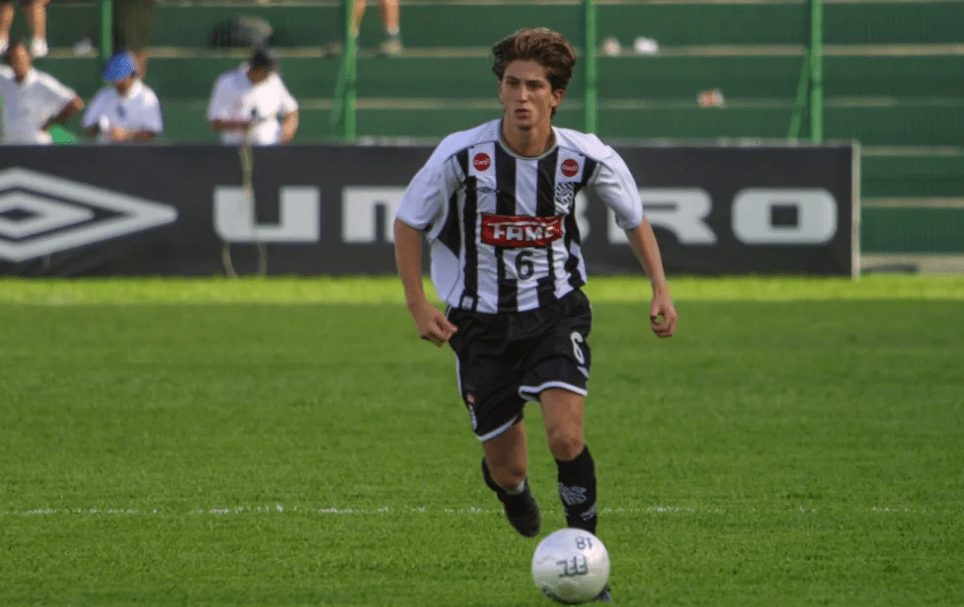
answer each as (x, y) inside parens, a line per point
(291, 442)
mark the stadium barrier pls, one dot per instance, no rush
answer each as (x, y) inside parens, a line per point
(307, 210)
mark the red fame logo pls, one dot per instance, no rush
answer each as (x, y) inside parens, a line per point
(569, 167)
(515, 231)
(481, 162)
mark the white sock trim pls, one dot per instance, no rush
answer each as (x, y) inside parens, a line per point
(517, 490)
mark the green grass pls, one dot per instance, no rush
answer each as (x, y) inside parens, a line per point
(291, 442)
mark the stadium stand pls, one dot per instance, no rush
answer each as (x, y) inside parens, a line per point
(892, 80)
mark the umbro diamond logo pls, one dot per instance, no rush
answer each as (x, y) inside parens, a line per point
(41, 214)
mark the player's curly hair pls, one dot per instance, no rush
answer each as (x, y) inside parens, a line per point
(549, 48)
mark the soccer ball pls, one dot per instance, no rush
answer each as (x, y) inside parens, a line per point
(570, 566)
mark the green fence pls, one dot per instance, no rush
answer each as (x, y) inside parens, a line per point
(886, 73)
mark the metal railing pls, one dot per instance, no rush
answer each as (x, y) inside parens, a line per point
(808, 103)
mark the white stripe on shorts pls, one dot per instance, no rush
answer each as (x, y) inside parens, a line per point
(531, 393)
(499, 430)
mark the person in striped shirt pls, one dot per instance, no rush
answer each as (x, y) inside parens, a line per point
(496, 205)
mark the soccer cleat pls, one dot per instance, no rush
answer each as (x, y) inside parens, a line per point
(523, 512)
(604, 596)
(521, 509)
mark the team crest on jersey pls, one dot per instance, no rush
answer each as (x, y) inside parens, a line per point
(565, 195)
(518, 231)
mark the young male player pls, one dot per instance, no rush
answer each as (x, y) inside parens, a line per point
(496, 204)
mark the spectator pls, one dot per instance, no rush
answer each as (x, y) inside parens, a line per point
(132, 29)
(36, 19)
(33, 101)
(129, 110)
(392, 45)
(252, 105)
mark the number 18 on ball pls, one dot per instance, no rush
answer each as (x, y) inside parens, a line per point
(571, 566)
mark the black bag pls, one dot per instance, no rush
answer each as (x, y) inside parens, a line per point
(242, 31)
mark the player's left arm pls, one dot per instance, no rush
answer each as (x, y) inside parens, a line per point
(662, 312)
(614, 184)
(68, 111)
(288, 110)
(289, 126)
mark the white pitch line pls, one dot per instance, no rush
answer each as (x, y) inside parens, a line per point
(281, 509)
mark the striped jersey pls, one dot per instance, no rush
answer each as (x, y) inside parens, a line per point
(501, 227)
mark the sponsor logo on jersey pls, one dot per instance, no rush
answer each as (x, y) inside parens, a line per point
(481, 162)
(517, 231)
(570, 167)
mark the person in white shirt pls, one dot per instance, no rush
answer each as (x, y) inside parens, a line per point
(252, 105)
(33, 101)
(128, 111)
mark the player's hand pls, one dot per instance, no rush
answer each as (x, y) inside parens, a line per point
(431, 324)
(118, 133)
(662, 314)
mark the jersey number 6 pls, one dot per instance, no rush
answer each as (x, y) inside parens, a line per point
(523, 266)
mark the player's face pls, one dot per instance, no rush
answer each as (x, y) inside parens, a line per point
(258, 75)
(527, 95)
(123, 85)
(20, 60)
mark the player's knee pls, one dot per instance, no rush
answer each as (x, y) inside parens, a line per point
(508, 475)
(566, 445)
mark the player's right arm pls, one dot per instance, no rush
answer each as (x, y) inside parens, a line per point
(92, 122)
(430, 323)
(423, 206)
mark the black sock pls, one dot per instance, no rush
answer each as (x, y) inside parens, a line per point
(577, 490)
(499, 490)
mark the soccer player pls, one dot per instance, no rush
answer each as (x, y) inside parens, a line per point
(496, 203)
(128, 111)
(33, 101)
(252, 105)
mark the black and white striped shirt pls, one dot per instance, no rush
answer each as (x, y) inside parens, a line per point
(502, 230)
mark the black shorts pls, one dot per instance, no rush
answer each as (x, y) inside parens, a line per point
(505, 360)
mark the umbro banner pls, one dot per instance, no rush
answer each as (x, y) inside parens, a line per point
(198, 210)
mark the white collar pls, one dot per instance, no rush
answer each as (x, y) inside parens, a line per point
(131, 92)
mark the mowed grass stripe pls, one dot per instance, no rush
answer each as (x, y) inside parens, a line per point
(386, 289)
(282, 510)
(776, 428)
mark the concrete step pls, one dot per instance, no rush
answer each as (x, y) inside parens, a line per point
(481, 23)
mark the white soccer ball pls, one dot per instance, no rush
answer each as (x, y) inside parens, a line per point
(570, 566)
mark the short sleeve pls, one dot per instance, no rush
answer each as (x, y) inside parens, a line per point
(615, 186)
(217, 106)
(287, 102)
(153, 120)
(425, 198)
(59, 93)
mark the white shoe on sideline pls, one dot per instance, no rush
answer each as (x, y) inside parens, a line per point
(38, 47)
